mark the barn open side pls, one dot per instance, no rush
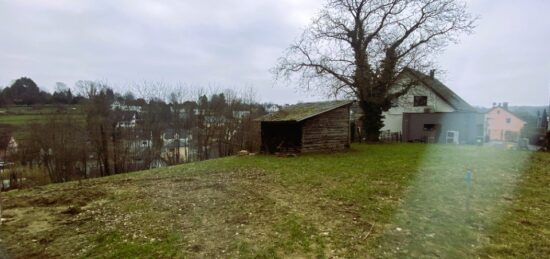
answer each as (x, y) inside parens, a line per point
(281, 137)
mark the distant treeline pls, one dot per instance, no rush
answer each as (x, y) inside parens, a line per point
(115, 133)
(24, 91)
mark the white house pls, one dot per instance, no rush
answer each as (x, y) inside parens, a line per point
(8, 146)
(429, 95)
(128, 123)
(124, 107)
(271, 108)
(241, 114)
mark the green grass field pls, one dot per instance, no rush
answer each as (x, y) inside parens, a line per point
(19, 117)
(376, 201)
(24, 119)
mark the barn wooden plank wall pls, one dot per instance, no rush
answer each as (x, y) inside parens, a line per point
(329, 131)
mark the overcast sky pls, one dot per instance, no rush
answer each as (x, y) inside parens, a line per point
(234, 43)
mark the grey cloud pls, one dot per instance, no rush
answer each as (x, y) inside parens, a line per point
(235, 43)
(507, 59)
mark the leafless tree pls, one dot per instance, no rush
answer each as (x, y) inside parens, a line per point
(178, 96)
(150, 90)
(99, 120)
(360, 48)
(121, 138)
(63, 153)
(203, 132)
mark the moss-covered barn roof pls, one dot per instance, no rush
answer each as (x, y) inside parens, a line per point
(302, 111)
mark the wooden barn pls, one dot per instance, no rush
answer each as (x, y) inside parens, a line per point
(307, 127)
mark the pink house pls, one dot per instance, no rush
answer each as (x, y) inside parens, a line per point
(503, 125)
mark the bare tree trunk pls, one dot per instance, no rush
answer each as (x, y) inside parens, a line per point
(372, 121)
(105, 151)
(116, 151)
(85, 165)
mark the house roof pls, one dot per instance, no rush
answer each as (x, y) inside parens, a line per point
(442, 91)
(303, 111)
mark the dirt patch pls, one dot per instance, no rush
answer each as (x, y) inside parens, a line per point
(246, 213)
(527, 223)
(35, 225)
(72, 210)
(41, 221)
(52, 198)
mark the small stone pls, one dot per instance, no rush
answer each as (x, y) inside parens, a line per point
(398, 229)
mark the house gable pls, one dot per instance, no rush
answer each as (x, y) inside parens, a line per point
(406, 102)
(428, 95)
(440, 97)
(440, 89)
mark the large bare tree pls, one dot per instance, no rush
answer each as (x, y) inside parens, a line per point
(99, 123)
(361, 48)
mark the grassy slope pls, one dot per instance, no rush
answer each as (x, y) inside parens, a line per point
(375, 201)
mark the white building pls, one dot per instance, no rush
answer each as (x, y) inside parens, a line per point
(123, 107)
(128, 124)
(241, 114)
(429, 95)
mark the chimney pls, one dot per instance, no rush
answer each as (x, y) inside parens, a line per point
(432, 73)
(494, 105)
(505, 105)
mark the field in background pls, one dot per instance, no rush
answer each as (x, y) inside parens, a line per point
(17, 117)
(376, 201)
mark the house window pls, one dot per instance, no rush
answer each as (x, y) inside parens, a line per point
(429, 127)
(420, 101)
(508, 120)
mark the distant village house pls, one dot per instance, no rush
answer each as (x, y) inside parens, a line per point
(176, 146)
(125, 107)
(502, 124)
(8, 146)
